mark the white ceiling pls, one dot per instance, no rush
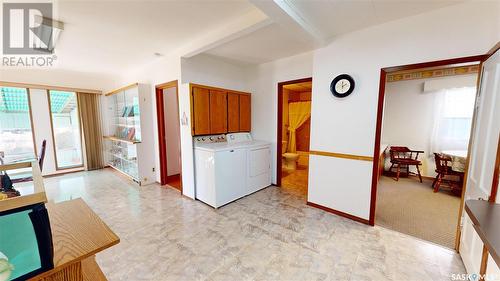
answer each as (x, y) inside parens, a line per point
(266, 44)
(335, 17)
(117, 36)
(324, 19)
(113, 36)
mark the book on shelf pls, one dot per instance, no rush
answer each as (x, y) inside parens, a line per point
(131, 134)
(125, 110)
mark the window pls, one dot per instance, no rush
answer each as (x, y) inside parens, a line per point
(16, 133)
(66, 129)
(454, 119)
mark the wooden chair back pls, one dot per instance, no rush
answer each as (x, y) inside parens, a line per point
(402, 152)
(442, 161)
(41, 155)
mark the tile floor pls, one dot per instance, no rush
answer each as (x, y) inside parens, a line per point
(269, 235)
(295, 182)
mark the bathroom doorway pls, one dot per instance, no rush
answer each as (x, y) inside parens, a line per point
(293, 135)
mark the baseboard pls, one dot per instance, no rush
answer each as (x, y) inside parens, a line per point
(339, 213)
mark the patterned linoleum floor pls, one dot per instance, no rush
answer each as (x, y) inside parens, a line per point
(269, 235)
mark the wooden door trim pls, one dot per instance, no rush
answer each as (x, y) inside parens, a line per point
(378, 129)
(279, 137)
(496, 175)
(160, 116)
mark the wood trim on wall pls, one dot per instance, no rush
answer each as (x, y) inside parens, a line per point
(493, 50)
(279, 125)
(342, 155)
(46, 87)
(339, 213)
(496, 175)
(160, 116)
(122, 89)
(466, 173)
(378, 129)
(162, 142)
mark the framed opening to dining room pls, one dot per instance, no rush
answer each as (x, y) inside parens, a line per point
(379, 163)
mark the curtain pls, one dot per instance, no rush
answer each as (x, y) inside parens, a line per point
(452, 119)
(298, 113)
(89, 106)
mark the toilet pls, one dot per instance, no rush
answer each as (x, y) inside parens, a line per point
(289, 159)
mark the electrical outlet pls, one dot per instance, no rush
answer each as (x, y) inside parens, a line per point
(153, 170)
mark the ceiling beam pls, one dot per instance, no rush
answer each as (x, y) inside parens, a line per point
(286, 14)
(239, 27)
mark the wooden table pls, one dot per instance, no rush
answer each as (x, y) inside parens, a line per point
(485, 217)
(78, 234)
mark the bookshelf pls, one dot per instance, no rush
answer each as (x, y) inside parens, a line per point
(126, 149)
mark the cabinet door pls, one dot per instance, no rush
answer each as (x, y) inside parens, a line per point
(218, 112)
(233, 112)
(201, 111)
(245, 113)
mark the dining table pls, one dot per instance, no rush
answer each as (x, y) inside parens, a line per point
(458, 159)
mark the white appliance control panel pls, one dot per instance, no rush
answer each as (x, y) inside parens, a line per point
(238, 137)
(210, 139)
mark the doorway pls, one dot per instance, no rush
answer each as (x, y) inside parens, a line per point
(438, 132)
(293, 135)
(167, 107)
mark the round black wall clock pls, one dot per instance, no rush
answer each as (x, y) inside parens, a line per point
(342, 86)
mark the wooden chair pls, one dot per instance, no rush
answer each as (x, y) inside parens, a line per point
(41, 157)
(402, 156)
(443, 169)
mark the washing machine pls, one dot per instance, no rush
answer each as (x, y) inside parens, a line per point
(228, 167)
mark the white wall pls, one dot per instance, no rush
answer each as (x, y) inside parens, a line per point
(172, 130)
(213, 71)
(265, 95)
(160, 71)
(409, 114)
(348, 125)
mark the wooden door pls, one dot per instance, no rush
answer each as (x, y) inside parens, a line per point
(233, 112)
(218, 112)
(486, 129)
(201, 111)
(245, 113)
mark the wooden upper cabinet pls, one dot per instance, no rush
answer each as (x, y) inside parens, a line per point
(245, 113)
(233, 112)
(200, 111)
(218, 112)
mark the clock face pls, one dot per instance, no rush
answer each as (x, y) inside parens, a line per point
(342, 86)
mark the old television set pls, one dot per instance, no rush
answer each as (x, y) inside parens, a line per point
(26, 248)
